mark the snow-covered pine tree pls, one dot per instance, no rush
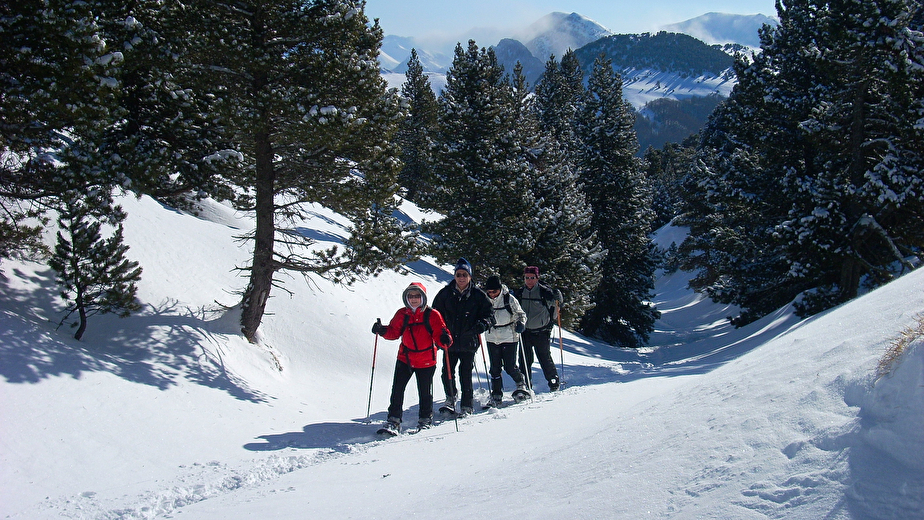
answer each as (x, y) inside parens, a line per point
(415, 135)
(665, 169)
(567, 251)
(56, 79)
(93, 272)
(733, 201)
(811, 170)
(300, 95)
(163, 140)
(621, 202)
(559, 94)
(858, 208)
(482, 174)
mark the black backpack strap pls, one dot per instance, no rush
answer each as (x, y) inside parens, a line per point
(509, 310)
(426, 323)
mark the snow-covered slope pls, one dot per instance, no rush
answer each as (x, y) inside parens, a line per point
(171, 414)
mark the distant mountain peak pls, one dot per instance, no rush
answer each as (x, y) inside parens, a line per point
(555, 33)
(722, 28)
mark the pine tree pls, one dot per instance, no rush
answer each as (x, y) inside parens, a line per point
(56, 83)
(858, 210)
(810, 180)
(567, 250)
(95, 276)
(483, 177)
(301, 98)
(416, 133)
(621, 201)
(734, 200)
(665, 170)
(163, 140)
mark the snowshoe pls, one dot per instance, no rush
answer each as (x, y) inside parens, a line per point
(466, 410)
(496, 401)
(423, 424)
(521, 394)
(389, 429)
(449, 408)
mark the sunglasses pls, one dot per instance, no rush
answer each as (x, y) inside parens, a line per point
(461, 274)
(414, 296)
(529, 277)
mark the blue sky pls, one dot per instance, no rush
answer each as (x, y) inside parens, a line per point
(439, 19)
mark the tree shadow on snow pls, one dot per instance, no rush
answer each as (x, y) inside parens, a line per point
(159, 346)
(698, 355)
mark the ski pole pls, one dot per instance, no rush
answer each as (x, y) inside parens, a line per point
(527, 373)
(561, 346)
(485, 362)
(449, 371)
(375, 349)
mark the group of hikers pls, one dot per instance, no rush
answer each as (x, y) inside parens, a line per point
(453, 324)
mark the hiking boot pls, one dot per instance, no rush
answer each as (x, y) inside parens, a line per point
(449, 407)
(393, 424)
(496, 401)
(424, 423)
(466, 410)
(553, 384)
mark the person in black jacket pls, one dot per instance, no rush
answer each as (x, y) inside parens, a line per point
(467, 312)
(541, 306)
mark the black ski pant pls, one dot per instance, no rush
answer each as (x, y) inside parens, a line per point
(540, 342)
(503, 356)
(403, 373)
(466, 362)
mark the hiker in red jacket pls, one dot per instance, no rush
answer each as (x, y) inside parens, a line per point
(422, 332)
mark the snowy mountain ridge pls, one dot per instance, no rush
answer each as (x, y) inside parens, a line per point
(555, 33)
(722, 28)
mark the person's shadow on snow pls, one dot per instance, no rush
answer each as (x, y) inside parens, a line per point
(333, 435)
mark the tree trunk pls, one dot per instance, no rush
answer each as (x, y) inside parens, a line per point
(261, 272)
(82, 327)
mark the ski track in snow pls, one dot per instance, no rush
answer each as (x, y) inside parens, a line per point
(198, 482)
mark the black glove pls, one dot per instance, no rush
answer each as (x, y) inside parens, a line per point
(378, 328)
(445, 338)
(519, 327)
(480, 326)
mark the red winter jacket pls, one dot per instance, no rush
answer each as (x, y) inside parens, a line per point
(418, 346)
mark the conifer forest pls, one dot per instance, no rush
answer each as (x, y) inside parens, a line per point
(806, 184)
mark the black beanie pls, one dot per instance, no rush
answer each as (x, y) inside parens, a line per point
(493, 284)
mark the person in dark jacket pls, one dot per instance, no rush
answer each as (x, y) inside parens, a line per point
(541, 305)
(422, 332)
(467, 311)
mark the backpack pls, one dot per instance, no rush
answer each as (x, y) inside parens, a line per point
(426, 323)
(548, 298)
